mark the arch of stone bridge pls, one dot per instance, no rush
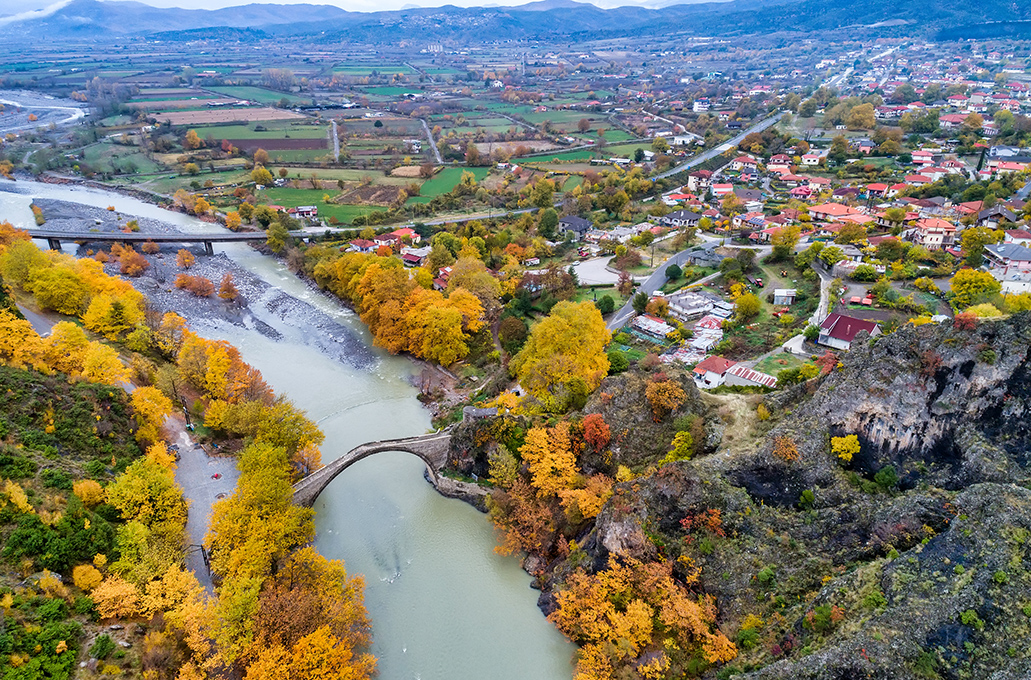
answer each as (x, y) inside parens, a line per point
(432, 449)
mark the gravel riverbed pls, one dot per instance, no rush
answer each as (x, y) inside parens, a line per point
(260, 306)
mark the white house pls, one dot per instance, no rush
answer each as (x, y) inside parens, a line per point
(712, 371)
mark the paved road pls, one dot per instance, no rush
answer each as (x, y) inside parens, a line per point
(336, 141)
(433, 144)
(823, 309)
(717, 150)
(203, 479)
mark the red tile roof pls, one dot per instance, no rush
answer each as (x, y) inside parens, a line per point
(715, 364)
(841, 327)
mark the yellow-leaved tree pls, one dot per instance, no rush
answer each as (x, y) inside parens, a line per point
(564, 356)
(150, 407)
(550, 459)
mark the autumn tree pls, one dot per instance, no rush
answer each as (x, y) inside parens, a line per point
(664, 397)
(845, 447)
(132, 263)
(567, 346)
(261, 176)
(971, 286)
(261, 157)
(596, 432)
(748, 306)
(227, 289)
(184, 259)
(550, 458)
(151, 407)
(100, 364)
(192, 140)
(625, 617)
(974, 240)
(784, 241)
(233, 221)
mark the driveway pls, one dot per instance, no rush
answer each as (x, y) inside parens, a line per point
(593, 272)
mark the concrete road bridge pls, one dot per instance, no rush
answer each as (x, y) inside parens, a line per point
(431, 448)
(54, 238)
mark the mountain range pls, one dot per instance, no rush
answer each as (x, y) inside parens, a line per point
(543, 20)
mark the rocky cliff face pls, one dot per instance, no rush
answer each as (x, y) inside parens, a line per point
(910, 561)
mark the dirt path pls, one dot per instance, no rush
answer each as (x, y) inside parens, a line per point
(738, 414)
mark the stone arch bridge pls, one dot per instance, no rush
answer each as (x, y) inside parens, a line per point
(431, 448)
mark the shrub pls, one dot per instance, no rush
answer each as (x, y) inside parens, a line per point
(102, 648)
(52, 611)
(886, 478)
(664, 397)
(84, 607)
(56, 479)
(806, 500)
(198, 285)
(618, 361)
(970, 618)
(606, 305)
(785, 449)
(132, 263)
(845, 447)
(86, 577)
(747, 638)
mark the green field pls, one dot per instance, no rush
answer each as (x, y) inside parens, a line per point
(272, 130)
(390, 90)
(581, 155)
(616, 136)
(257, 94)
(108, 157)
(625, 149)
(300, 156)
(291, 198)
(570, 183)
(445, 180)
(356, 69)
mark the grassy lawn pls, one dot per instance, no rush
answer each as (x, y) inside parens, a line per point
(445, 180)
(774, 364)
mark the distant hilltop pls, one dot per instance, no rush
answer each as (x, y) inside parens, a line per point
(542, 20)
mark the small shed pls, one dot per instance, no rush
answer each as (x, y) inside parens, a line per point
(784, 296)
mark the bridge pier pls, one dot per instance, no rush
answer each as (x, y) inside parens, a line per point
(209, 249)
(54, 243)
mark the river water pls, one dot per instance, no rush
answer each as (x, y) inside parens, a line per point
(443, 605)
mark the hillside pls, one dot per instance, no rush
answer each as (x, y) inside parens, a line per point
(909, 560)
(97, 19)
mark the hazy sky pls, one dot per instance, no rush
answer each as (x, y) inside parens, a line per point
(351, 5)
